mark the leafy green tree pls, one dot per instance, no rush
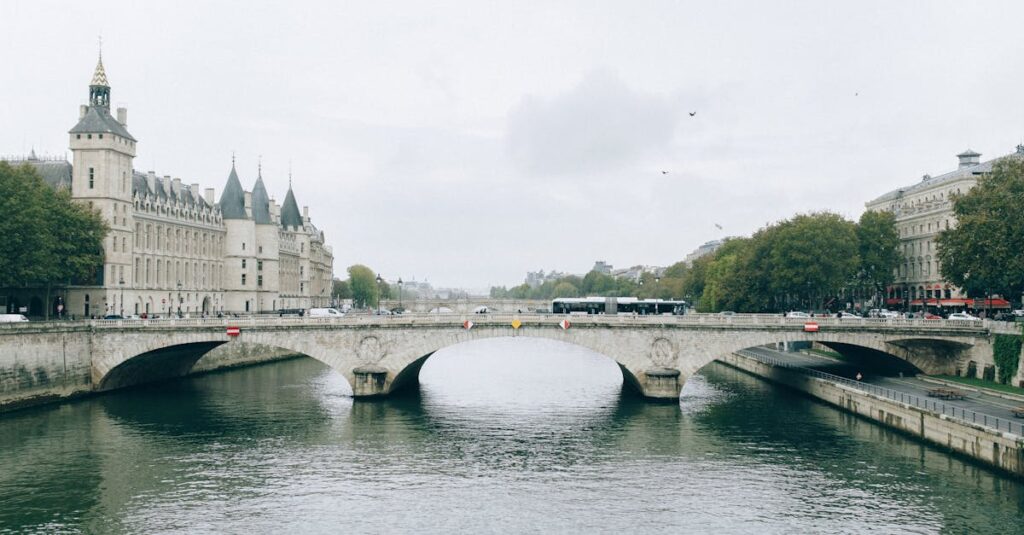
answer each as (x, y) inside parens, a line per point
(27, 240)
(879, 251)
(695, 280)
(340, 289)
(982, 253)
(363, 284)
(814, 257)
(597, 283)
(48, 239)
(564, 288)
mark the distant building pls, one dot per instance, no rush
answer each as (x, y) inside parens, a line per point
(635, 273)
(703, 250)
(922, 210)
(537, 278)
(602, 267)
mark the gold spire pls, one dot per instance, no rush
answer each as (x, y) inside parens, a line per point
(100, 76)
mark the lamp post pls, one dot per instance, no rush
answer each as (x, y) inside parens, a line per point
(179, 298)
(641, 283)
(379, 280)
(121, 283)
(400, 295)
(657, 281)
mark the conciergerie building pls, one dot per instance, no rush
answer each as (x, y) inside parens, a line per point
(171, 248)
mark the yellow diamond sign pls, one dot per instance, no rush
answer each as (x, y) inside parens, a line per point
(516, 324)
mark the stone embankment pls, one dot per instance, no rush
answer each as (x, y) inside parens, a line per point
(999, 449)
(56, 364)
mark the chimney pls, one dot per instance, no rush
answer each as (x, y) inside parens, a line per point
(305, 214)
(194, 190)
(151, 182)
(82, 110)
(122, 116)
(968, 158)
(274, 210)
(176, 187)
(248, 204)
(165, 184)
(208, 195)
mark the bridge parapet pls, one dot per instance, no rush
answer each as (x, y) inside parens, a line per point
(738, 322)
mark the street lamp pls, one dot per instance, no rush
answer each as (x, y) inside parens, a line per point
(121, 282)
(400, 294)
(379, 280)
(179, 298)
(657, 281)
(641, 283)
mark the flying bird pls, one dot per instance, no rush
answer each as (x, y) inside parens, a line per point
(717, 226)
(664, 172)
(692, 113)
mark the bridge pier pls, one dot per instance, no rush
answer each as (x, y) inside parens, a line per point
(662, 384)
(370, 382)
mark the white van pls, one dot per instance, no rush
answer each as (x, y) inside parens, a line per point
(12, 318)
(324, 313)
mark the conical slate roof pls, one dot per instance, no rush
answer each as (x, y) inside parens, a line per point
(260, 203)
(232, 201)
(290, 216)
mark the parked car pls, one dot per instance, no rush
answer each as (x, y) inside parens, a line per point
(726, 313)
(963, 316)
(930, 316)
(324, 313)
(12, 318)
(889, 314)
(797, 314)
(113, 317)
(847, 316)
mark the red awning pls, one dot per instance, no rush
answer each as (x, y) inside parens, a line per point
(989, 303)
(893, 301)
(953, 302)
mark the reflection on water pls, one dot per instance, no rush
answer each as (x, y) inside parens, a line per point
(506, 435)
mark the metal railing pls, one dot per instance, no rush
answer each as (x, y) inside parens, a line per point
(772, 321)
(936, 406)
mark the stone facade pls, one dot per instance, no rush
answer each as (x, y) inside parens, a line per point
(171, 249)
(922, 210)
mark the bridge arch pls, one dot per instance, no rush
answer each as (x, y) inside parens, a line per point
(408, 377)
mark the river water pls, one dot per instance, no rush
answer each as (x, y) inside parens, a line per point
(508, 435)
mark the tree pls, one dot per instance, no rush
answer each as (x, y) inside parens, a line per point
(564, 288)
(879, 250)
(27, 240)
(982, 253)
(340, 289)
(363, 284)
(813, 257)
(48, 239)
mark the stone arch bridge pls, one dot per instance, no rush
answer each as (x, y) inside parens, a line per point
(380, 355)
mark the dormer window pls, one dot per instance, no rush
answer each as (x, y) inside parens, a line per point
(101, 136)
(78, 136)
(88, 136)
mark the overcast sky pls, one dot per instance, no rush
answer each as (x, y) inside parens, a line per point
(468, 142)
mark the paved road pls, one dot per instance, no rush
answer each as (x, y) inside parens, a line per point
(974, 401)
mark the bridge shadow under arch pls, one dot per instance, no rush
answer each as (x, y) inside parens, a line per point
(180, 360)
